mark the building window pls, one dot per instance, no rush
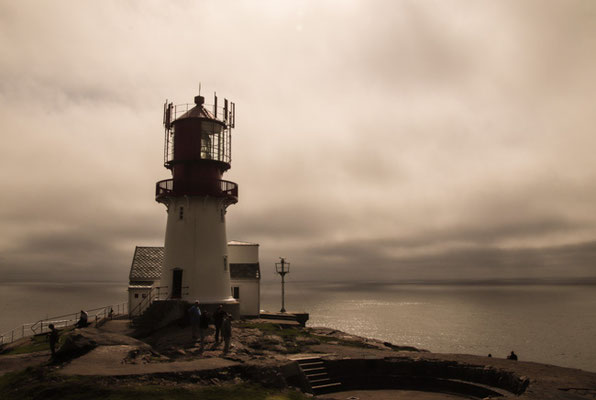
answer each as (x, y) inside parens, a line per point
(236, 292)
(136, 295)
(225, 263)
(144, 295)
(181, 213)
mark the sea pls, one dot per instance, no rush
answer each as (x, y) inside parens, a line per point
(545, 323)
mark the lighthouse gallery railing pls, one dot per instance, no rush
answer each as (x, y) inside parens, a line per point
(215, 188)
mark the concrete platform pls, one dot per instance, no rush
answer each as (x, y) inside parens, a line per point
(299, 317)
(388, 395)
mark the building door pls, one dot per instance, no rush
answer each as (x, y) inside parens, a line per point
(177, 284)
(236, 292)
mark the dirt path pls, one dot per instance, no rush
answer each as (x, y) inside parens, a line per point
(109, 361)
(16, 362)
(112, 358)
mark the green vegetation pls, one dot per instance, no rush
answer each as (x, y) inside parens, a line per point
(37, 383)
(33, 344)
(38, 343)
(341, 342)
(272, 329)
(289, 333)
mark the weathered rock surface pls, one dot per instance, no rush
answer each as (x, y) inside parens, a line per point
(267, 355)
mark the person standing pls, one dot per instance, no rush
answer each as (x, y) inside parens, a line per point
(218, 318)
(53, 336)
(226, 332)
(203, 326)
(195, 319)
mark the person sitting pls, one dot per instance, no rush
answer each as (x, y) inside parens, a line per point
(512, 356)
(82, 323)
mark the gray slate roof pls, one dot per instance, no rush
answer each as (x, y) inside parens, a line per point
(146, 264)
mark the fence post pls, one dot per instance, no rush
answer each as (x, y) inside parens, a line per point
(12, 336)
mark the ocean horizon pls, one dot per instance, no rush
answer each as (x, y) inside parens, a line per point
(544, 321)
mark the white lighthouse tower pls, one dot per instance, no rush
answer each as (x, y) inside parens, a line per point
(198, 152)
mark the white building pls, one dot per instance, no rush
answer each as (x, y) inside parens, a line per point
(145, 271)
(245, 277)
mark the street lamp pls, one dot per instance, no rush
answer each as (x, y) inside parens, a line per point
(282, 268)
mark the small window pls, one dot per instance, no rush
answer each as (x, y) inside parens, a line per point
(225, 263)
(144, 295)
(181, 213)
(236, 292)
(136, 295)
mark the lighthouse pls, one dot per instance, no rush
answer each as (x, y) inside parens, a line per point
(197, 151)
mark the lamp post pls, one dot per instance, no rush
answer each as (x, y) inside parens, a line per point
(282, 268)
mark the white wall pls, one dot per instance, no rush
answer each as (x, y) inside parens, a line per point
(250, 294)
(250, 302)
(135, 297)
(197, 244)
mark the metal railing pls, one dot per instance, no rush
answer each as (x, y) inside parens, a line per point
(62, 321)
(220, 112)
(213, 145)
(156, 293)
(214, 187)
(220, 147)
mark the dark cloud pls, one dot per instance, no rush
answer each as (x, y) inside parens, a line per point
(368, 262)
(409, 138)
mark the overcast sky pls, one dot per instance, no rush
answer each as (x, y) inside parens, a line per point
(374, 140)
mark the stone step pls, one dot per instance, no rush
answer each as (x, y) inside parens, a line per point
(320, 381)
(311, 364)
(306, 360)
(316, 375)
(326, 388)
(315, 369)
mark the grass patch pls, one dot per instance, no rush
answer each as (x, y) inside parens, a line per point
(38, 343)
(37, 383)
(273, 329)
(342, 342)
(35, 343)
(289, 333)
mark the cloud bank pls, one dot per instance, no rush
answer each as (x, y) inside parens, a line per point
(403, 139)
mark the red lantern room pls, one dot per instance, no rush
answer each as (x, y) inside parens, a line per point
(198, 150)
